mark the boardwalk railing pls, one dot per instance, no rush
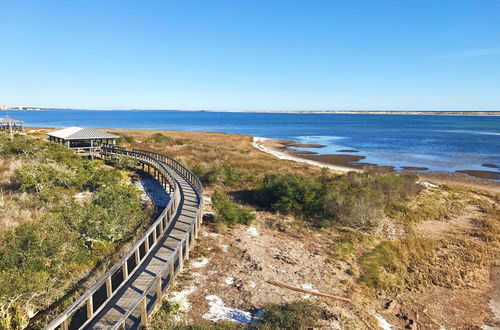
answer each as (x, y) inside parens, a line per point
(81, 312)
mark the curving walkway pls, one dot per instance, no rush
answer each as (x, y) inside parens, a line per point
(129, 292)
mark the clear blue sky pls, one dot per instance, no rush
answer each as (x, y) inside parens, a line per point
(251, 55)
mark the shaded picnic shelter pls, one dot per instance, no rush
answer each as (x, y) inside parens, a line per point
(9, 123)
(83, 139)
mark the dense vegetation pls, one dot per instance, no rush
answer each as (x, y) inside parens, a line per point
(355, 200)
(228, 212)
(86, 211)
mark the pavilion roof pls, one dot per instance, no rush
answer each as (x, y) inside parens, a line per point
(9, 121)
(81, 133)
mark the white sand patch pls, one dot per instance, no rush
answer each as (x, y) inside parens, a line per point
(180, 297)
(285, 156)
(308, 286)
(382, 322)
(207, 200)
(81, 196)
(224, 248)
(202, 262)
(152, 190)
(252, 285)
(427, 184)
(219, 312)
(253, 231)
(229, 280)
(213, 235)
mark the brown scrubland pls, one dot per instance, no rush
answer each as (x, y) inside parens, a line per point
(418, 256)
(430, 261)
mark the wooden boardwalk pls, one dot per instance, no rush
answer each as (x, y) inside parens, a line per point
(131, 292)
(127, 294)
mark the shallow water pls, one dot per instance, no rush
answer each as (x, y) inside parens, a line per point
(437, 142)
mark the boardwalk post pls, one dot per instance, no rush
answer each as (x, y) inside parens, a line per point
(171, 274)
(125, 270)
(181, 261)
(90, 307)
(65, 324)
(159, 292)
(144, 313)
(109, 287)
(137, 257)
(187, 246)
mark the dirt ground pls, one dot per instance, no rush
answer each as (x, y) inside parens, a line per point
(235, 266)
(470, 304)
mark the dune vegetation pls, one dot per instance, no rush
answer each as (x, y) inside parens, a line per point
(60, 216)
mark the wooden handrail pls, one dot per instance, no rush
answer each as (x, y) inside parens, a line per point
(163, 167)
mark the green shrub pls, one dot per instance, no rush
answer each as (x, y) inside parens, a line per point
(122, 139)
(160, 138)
(222, 175)
(123, 163)
(111, 215)
(291, 194)
(295, 315)
(356, 200)
(229, 212)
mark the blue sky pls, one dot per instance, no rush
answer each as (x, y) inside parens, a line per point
(251, 55)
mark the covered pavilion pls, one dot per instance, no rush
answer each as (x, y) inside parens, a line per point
(9, 123)
(82, 139)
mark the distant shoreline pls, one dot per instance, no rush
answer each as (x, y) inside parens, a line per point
(354, 112)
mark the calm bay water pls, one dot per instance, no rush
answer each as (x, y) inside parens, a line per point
(446, 143)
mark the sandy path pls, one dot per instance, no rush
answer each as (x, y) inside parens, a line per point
(260, 143)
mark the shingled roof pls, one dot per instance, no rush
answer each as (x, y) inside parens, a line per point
(81, 133)
(9, 121)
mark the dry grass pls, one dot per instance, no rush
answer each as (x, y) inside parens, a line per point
(15, 208)
(216, 149)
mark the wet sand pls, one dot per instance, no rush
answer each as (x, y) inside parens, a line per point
(414, 168)
(482, 174)
(491, 165)
(348, 162)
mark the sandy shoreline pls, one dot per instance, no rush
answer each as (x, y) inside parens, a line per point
(277, 148)
(265, 144)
